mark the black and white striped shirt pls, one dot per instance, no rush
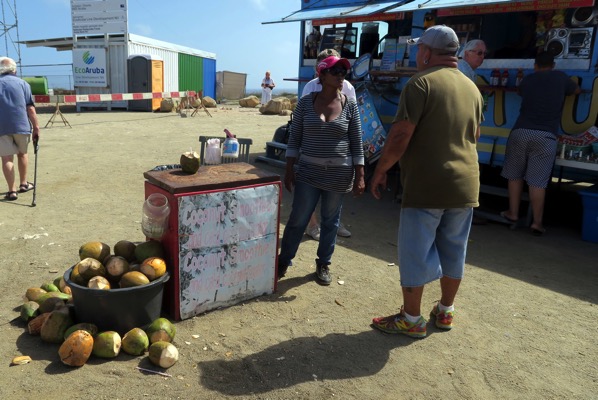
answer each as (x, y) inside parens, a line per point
(328, 150)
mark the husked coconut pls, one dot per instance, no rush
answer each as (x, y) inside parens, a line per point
(98, 282)
(163, 354)
(116, 267)
(90, 267)
(106, 344)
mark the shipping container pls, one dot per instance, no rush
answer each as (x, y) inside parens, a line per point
(184, 69)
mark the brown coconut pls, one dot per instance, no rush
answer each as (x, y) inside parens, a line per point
(76, 349)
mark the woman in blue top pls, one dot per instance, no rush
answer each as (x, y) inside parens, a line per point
(326, 132)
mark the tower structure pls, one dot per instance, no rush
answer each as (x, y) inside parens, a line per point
(10, 31)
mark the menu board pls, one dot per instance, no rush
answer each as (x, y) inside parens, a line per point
(227, 247)
(373, 133)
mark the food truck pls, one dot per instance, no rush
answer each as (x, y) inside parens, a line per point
(373, 36)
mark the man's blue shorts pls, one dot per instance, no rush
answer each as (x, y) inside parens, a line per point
(432, 244)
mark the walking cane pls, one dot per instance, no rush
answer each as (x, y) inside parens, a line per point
(35, 149)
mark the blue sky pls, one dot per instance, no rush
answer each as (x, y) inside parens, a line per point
(230, 28)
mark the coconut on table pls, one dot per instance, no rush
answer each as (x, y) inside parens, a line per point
(222, 236)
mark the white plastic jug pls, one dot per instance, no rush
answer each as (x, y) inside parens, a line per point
(230, 148)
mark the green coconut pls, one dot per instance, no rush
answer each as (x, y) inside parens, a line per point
(133, 278)
(190, 162)
(62, 296)
(125, 249)
(135, 342)
(76, 276)
(50, 287)
(33, 293)
(161, 330)
(55, 326)
(29, 310)
(151, 248)
(51, 304)
(106, 344)
(82, 326)
(96, 250)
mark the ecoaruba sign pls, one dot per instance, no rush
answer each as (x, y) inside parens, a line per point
(89, 67)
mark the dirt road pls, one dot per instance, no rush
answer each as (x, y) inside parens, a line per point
(525, 325)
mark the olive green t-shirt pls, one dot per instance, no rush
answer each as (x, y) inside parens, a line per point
(439, 168)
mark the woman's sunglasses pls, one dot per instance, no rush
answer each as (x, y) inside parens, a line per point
(337, 71)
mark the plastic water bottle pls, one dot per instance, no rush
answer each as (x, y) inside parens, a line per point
(504, 80)
(495, 77)
(156, 211)
(519, 77)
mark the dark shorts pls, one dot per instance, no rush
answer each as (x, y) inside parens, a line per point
(530, 156)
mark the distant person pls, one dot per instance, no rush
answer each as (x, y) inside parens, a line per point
(313, 227)
(17, 111)
(532, 143)
(325, 147)
(267, 86)
(473, 55)
(433, 137)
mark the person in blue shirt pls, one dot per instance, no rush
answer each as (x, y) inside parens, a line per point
(17, 112)
(472, 56)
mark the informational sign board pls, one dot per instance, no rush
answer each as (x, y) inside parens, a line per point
(373, 133)
(91, 17)
(389, 58)
(89, 67)
(227, 247)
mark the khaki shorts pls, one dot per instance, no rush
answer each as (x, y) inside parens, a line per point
(13, 144)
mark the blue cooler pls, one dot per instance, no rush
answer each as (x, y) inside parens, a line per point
(589, 198)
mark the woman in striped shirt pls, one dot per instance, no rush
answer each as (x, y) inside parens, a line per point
(325, 160)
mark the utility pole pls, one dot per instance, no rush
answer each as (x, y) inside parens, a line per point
(10, 32)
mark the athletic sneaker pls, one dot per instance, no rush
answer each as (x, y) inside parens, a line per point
(444, 319)
(398, 324)
(342, 231)
(313, 232)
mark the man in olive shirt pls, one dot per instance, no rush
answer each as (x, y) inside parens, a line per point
(434, 138)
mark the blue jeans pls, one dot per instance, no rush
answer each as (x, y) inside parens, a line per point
(305, 199)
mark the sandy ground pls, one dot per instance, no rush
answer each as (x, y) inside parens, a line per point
(526, 317)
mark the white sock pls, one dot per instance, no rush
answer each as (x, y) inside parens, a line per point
(444, 308)
(411, 318)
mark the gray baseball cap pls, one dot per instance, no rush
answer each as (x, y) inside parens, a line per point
(439, 37)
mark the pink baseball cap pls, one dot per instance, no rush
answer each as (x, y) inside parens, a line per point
(331, 61)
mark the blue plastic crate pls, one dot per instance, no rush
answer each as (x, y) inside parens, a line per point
(589, 198)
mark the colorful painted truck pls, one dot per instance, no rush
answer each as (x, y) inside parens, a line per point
(373, 34)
